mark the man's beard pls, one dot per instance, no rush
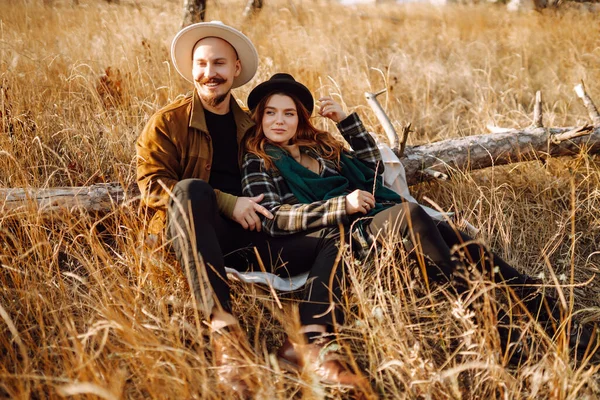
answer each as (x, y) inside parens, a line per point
(212, 100)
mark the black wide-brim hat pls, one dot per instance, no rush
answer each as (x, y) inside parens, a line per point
(281, 83)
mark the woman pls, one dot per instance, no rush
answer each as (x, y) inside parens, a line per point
(310, 182)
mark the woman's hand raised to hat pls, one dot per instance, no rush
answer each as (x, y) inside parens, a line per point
(331, 109)
(246, 212)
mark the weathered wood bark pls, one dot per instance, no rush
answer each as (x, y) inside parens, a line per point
(96, 198)
(421, 163)
(252, 8)
(446, 156)
(193, 12)
(385, 122)
(505, 146)
(538, 5)
(483, 151)
(538, 113)
(588, 103)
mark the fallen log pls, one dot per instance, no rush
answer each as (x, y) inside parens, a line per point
(99, 198)
(503, 146)
(422, 163)
(483, 151)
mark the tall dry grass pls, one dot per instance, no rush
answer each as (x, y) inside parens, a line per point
(86, 311)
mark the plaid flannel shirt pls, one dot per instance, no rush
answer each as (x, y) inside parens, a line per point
(291, 216)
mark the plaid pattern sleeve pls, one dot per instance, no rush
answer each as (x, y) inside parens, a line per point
(362, 143)
(289, 215)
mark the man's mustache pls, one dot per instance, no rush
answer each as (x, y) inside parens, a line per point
(211, 80)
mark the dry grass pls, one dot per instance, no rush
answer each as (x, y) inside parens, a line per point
(85, 309)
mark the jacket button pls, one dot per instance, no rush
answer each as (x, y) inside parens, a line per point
(208, 167)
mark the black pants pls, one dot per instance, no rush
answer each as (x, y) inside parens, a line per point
(205, 242)
(436, 239)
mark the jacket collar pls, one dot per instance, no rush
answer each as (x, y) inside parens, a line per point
(198, 120)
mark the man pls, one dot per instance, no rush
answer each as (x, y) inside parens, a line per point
(189, 174)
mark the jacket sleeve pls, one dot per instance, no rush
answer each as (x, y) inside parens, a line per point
(157, 163)
(288, 215)
(363, 145)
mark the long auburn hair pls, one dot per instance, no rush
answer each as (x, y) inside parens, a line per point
(307, 135)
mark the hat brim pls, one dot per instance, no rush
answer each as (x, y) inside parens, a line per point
(284, 86)
(183, 45)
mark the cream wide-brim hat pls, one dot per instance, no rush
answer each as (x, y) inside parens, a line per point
(184, 41)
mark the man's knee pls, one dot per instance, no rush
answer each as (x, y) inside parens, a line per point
(194, 190)
(191, 197)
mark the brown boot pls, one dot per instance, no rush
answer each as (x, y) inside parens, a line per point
(233, 358)
(321, 358)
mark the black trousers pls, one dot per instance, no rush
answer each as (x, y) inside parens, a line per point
(436, 241)
(205, 242)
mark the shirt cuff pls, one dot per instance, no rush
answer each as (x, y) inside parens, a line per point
(339, 216)
(349, 122)
(226, 203)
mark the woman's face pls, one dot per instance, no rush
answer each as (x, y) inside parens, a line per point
(280, 119)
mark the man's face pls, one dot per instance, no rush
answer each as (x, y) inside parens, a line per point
(215, 65)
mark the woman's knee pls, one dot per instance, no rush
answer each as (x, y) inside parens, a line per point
(416, 217)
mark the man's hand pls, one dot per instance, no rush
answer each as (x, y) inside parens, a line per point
(245, 212)
(359, 201)
(329, 108)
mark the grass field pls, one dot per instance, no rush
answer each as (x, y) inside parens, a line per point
(87, 311)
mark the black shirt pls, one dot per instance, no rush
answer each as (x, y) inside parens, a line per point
(225, 172)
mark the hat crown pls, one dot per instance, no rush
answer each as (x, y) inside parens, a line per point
(281, 82)
(282, 76)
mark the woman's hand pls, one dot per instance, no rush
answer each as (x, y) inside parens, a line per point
(329, 108)
(359, 201)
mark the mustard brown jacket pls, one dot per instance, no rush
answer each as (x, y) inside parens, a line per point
(176, 145)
